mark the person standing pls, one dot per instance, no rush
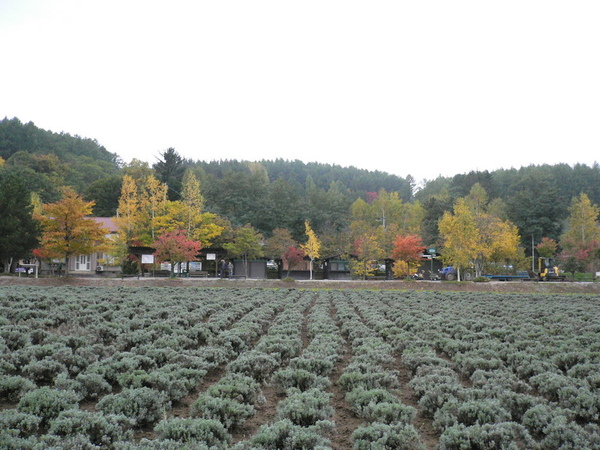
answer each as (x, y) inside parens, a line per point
(230, 269)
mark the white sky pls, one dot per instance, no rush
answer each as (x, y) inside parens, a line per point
(425, 88)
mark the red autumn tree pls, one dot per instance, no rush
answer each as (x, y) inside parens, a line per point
(176, 248)
(408, 250)
(292, 257)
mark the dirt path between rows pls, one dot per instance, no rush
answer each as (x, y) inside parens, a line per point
(466, 286)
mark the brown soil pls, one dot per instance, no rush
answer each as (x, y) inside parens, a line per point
(466, 286)
(429, 436)
(346, 422)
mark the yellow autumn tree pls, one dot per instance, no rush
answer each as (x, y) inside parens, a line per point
(143, 210)
(368, 251)
(474, 237)
(66, 229)
(582, 223)
(312, 247)
(199, 225)
(384, 216)
(581, 239)
(460, 235)
(153, 206)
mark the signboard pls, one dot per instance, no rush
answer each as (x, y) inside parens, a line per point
(147, 259)
(211, 256)
(431, 251)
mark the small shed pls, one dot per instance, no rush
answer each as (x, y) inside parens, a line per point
(300, 271)
(257, 268)
(336, 268)
(143, 255)
(430, 266)
(210, 257)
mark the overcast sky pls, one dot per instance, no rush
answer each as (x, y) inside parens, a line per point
(425, 88)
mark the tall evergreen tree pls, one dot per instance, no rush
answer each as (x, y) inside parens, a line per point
(19, 231)
(170, 169)
(536, 206)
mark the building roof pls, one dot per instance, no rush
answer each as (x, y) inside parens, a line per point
(108, 223)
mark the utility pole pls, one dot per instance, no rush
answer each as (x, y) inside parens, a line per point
(532, 255)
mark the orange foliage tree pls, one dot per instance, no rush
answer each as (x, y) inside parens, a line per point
(407, 252)
(66, 229)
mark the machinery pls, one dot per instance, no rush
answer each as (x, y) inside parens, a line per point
(449, 273)
(548, 270)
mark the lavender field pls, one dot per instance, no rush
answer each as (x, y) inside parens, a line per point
(284, 368)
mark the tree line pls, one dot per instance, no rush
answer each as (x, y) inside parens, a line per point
(352, 211)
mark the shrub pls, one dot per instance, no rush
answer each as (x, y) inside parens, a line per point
(566, 360)
(415, 360)
(53, 442)
(15, 336)
(584, 403)
(44, 371)
(173, 386)
(387, 436)
(164, 444)
(300, 379)
(47, 403)
(537, 418)
(23, 423)
(498, 381)
(426, 376)
(584, 370)
(207, 432)
(100, 429)
(92, 385)
(560, 433)
(318, 366)
(10, 440)
(388, 412)
(518, 404)
(230, 413)
(470, 413)
(437, 396)
(284, 434)
(360, 397)
(550, 384)
(237, 386)
(144, 405)
(508, 435)
(468, 363)
(306, 408)
(369, 380)
(284, 346)
(12, 388)
(255, 364)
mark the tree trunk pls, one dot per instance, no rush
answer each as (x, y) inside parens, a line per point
(67, 261)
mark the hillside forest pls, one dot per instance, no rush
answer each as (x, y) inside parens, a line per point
(486, 220)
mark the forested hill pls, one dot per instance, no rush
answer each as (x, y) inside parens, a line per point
(282, 193)
(322, 175)
(18, 137)
(45, 160)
